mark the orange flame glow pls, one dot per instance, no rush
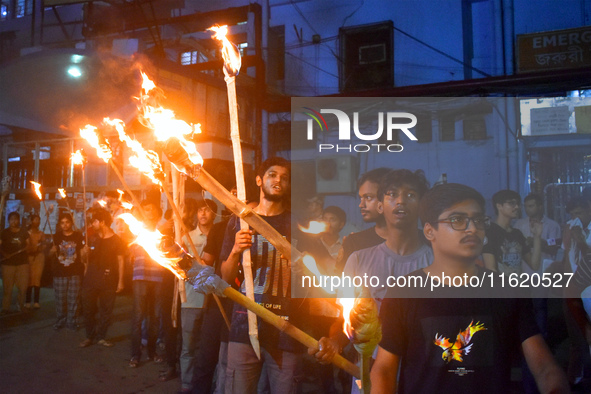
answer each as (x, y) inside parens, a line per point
(62, 192)
(102, 203)
(77, 158)
(347, 303)
(127, 205)
(147, 84)
(315, 227)
(103, 150)
(37, 189)
(149, 240)
(166, 125)
(230, 52)
(310, 264)
(121, 193)
(147, 161)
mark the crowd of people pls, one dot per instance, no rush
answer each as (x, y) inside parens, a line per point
(431, 344)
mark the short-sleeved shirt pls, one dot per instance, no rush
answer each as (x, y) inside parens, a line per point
(455, 345)
(103, 263)
(14, 245)
(382, 262)
(272, 286)
(68, 261)
(357, 241)
(215, 239)
(508, 247)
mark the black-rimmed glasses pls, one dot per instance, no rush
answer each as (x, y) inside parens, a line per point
(461, 222)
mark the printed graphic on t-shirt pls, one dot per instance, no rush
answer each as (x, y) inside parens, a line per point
(511, 258)
(67, 254)
(462, 345)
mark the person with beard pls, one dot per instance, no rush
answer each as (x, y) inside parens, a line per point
(280, 354)
(368, 205)
(421, 350)
(506, 246)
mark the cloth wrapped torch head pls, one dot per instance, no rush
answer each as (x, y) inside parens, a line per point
(178, 156)
(366, 328)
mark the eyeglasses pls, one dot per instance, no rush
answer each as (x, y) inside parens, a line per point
(461, 222)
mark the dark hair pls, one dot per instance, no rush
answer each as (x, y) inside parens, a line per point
(273, 161)
(338, 212)
(373, 176)
(577, 202)
(444, 196)
(14, 213)
(397, 178)
(207, 202)
(502, 196)
(33, 216)
(102, 215)
(65, 215)
(156, 203)
(535, 197)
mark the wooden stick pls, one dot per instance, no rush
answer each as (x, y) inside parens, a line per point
(253, 331)
(84, 209)
(288, 328)
(126, 187)
(192, 245)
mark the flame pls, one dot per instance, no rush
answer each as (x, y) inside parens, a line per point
(310, 264)
(230, 53)
(102, 203)
(37, 188)
(127, 205)
(347, 303)
(149, 240)
(62, 192)
(147, 84)
(121, 193)
(166, 125)
(77, 158)
(315, 227)
(103, 149)
(147, 161)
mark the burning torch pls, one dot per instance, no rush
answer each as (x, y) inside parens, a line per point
(232, 63)
(80, 158)
(37, 189)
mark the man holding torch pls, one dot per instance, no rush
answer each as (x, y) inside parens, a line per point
(280, 354)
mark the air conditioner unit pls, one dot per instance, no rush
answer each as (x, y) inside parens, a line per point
(336, 174)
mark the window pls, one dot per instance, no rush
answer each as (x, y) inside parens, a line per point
(474, 128)
(23, 8)
(4, 10)
(423, 130)
(192, 57)
(447, 129)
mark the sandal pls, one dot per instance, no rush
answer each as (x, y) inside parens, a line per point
(167, 375)
(134, 362)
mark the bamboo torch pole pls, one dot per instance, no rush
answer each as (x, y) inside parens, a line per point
(232, 63)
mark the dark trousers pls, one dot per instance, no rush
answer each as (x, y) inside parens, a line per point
(145, 306)
(101, 301)
(213, 330)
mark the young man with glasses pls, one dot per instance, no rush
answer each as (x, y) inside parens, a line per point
(449, 341)
(506, 247)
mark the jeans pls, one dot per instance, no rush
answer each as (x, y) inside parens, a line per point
(145, 305)
(101, 300)
(244, 369)
(191, 319)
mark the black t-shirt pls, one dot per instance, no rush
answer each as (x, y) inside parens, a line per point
(357, 241)
(455, 345)
(272, 286)
(215, 240)
(14, 245)
(508, 247)
(103, 265)
(67, 261)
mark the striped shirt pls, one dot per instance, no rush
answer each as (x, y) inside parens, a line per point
(144, 268)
